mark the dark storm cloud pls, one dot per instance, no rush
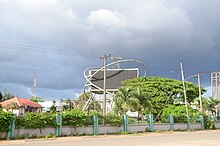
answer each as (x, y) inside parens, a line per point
(160, 33)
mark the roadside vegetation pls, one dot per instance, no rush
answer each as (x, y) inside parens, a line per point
(153, 95)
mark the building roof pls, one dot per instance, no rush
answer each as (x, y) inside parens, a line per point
(22, 102)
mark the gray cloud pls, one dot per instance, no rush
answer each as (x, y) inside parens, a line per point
(160, 33)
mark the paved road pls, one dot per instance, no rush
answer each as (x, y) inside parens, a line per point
(198, 138)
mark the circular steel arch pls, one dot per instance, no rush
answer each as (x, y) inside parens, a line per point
(88, 78)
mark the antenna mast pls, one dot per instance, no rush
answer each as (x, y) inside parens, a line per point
(35, 85)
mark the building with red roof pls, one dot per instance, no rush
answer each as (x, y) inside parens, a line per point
(20, 106)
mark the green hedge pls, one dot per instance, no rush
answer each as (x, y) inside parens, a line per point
(5, 121)
(76, 118)
(113, 119)
(36, 120)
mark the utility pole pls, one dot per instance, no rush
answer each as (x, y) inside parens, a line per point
(184, 88)
(200, 94)
(104, 84)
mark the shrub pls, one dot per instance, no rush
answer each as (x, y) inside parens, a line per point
(113, 119)
(76, 118)
(36, 120)
(5, 121)
(179, 113)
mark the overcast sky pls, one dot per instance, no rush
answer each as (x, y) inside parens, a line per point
(59, 39)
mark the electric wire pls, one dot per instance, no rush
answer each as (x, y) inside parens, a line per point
(33, 49)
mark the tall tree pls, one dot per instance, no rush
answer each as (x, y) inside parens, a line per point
(212, 105)
(7, 95)
(161, 92)
(68, 105)
(124, 101)
(144, 104)
(53, 107)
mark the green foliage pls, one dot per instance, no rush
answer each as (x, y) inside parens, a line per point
(36, 99)
(5, 120)
(211, 106)
(132, 120)
(113, 119)
(53, 107)
(209, 122)
(179, 113)
(76, 118)
(36, 120)
(124, 101)
(68, 104)
(157, 92)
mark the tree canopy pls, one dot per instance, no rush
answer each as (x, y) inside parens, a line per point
(36, 99)
(156, 94)
(6, 95)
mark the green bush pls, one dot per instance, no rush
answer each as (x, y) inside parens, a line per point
(208, 122)
(36, 120)
(179, 113)
(132, 120)
(113, 119)
(5, 121)
(76, 118)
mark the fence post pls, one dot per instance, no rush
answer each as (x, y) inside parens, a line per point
(188, 122)
(11, 132)
(125, 123)
(201, 118)
(59, 124)
(95, 125)
(213, 120)
(151, 123)
(171, 120)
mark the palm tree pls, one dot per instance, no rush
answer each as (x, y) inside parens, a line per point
(213, 103)
(124, 101)
(143, 103)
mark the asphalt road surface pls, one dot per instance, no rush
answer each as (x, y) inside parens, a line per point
(198, 138)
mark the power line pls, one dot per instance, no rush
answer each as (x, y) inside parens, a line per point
(33, 49)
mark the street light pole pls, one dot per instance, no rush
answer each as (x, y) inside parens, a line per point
(184, 88)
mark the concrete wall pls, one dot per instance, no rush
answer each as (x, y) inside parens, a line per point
(110, 129)
(138, 127)
(195, 126)
(162, 127)
(66, 130)
(3, 135)
(217, 125)
(34, 132)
